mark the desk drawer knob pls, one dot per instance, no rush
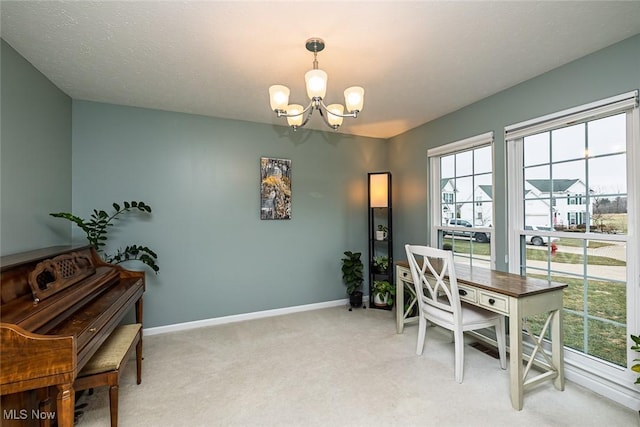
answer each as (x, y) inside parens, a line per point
(404, 274)
(492, 301)
(93, 329)
(462, 292)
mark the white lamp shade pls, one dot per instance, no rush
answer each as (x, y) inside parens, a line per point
(378, 190)
(333, 119)
(316, 81)
(354, 98)
(279, 97)
(296, 110)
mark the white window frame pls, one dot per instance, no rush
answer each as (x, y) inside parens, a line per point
(434, 155)
(605, 378)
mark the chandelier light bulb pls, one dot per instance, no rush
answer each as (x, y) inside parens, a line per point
(333, 119)
(279, 97)
(354, 98)
(316, 83)
(295, 111)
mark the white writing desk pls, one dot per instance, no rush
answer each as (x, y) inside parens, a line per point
(514, 296)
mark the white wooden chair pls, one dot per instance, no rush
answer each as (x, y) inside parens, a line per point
(436, 287)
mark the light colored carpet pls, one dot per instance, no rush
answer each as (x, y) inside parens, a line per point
(331, 367)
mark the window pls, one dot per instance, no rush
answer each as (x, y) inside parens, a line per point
(581, 238)
(461, 199)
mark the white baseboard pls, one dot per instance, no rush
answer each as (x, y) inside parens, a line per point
(603, 386)
(241, 317)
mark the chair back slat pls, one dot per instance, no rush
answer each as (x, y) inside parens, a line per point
(434, 278)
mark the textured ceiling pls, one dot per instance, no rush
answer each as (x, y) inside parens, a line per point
(416, 60)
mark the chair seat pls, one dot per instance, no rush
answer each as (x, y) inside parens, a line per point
(113, 351)
(471, 315)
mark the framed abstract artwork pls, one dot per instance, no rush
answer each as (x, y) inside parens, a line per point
(275, 188)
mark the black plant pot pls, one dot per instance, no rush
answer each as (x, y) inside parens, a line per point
(355, 299)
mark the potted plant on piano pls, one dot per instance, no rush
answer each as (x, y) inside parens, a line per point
(353, 277)
(97, 227)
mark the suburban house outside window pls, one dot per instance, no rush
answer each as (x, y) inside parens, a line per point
(447, 199)
(573, 208)
(461, 204)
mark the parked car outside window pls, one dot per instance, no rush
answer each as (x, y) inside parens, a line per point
(539, 240)
(479, 236)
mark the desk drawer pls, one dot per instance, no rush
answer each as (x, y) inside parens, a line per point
(467, 294)
(403, 274)
(494, 302)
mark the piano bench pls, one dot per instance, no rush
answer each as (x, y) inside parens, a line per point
(104, 368)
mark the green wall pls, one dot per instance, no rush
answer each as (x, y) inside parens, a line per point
(201, 177)
(35, 156)
(603, 74)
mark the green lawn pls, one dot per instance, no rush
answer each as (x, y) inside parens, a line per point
(569, 258)
(578, 243)
(464, 247)
(605, 300)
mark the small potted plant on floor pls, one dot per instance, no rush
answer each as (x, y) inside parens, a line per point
(383, 293)
(353, 276)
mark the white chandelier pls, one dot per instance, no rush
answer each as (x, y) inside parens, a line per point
(316, 81)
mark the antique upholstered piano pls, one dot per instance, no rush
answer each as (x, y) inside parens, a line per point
(58, 305)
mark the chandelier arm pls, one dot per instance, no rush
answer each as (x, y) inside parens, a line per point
(326, 121)
(353, 114)
(283, 113)
(306, 118)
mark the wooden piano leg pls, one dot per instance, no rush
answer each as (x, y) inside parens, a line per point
(113, 404)
(66, 402)
(139, 311)
(44, 406)
(139, 359)
(139, 314)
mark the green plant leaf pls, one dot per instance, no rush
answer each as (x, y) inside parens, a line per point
(636, 347)
(352, 271)
(96, 232)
